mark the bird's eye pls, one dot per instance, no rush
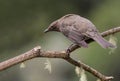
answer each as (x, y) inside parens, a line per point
(53, 27)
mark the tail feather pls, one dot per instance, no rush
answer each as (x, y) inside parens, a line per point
(103, 42)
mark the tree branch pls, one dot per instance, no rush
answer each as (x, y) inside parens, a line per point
(37, 52)
(20, 58)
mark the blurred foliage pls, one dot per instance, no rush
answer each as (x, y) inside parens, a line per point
(22, 23)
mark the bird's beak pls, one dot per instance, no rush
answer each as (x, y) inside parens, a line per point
(46, 30)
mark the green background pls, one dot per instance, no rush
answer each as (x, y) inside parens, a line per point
(22, 23)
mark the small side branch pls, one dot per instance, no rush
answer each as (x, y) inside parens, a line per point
(89, 69)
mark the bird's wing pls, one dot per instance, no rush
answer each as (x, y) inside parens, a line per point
(91, 32)
(77, 37)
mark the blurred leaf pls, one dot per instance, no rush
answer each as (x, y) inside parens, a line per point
(48, 65)
(81, 73)
(112, 40)
(98, 80)
(22, 65)
(77, 71)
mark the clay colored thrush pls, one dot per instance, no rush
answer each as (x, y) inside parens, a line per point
(78, 29)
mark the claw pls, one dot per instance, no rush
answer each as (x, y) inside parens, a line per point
(68, 51)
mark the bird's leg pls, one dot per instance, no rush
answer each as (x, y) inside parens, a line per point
(68, 50)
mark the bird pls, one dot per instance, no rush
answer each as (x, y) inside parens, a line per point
(78, 29)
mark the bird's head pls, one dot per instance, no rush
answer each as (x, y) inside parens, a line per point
(52, 27)
(55, 25)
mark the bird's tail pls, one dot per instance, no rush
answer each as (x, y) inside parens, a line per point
(103, 42)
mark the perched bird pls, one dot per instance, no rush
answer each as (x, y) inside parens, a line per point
(78, 29)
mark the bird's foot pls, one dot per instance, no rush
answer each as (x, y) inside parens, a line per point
(68, 50)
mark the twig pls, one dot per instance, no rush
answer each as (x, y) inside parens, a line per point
(37, 52)
(89, 69)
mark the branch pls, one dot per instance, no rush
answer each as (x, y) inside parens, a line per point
(20, 58)
(38, 52)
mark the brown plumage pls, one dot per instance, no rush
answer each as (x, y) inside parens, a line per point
(78, 29)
